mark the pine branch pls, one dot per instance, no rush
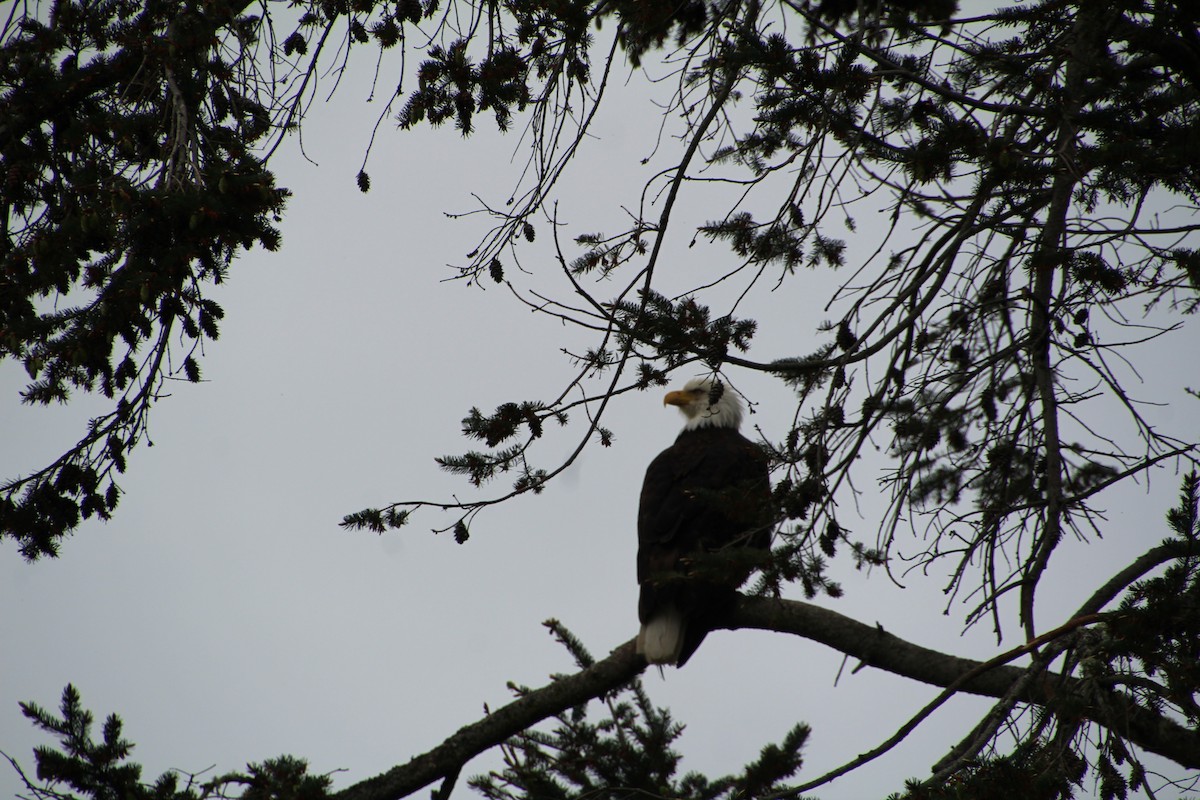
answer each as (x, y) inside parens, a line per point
(620, 667)
(870, 644)
(877, 648)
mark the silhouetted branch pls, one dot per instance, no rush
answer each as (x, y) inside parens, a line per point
(620, 667)
(877, 648)
(870, 644)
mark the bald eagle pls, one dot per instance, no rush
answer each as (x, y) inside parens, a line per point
(704, 499)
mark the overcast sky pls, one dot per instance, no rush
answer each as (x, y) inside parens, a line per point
(227, 618)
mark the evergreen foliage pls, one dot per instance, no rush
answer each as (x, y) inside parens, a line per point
(624, 756)
(133, 173)
(1032, 181)
(1149, 647)
(80, 768)
(1152, 646)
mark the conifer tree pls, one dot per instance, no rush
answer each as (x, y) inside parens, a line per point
(1032, 181)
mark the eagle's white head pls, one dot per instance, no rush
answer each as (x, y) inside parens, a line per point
(706, 406)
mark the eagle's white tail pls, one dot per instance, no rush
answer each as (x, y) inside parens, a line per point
(661, 639)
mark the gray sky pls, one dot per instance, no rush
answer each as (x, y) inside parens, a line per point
(225, 616)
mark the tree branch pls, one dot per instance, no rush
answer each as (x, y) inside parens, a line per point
(870, 644)
(878, 648)
(621, 666)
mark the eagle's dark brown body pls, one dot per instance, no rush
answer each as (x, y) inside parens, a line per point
(707, 493)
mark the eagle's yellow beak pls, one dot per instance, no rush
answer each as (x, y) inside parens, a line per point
(677, 398)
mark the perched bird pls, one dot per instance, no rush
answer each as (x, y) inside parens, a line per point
(704, 520)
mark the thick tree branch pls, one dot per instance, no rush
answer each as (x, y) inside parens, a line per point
(870, 644)
(878, 648)
(621, 666)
